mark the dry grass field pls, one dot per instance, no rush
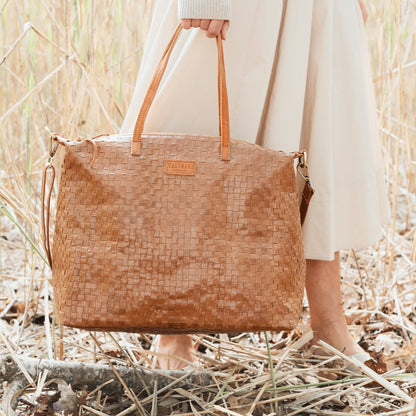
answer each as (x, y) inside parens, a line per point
(70, 67)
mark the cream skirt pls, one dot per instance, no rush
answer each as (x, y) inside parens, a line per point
(321, 99)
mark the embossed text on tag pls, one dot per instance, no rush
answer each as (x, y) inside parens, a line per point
(180, 167)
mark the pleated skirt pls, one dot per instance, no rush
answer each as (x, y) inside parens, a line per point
(298, 78)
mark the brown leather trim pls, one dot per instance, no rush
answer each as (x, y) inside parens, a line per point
(307, 194)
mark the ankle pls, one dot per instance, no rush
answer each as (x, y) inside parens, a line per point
(323, 325)
(337, 336)
(175, 351)
(175, 338)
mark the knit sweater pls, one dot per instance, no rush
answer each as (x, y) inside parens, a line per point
(204, 9)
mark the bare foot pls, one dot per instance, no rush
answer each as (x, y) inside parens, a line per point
(337, 334)
(178, 348)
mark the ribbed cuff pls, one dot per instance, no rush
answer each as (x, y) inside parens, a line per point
(204, 9)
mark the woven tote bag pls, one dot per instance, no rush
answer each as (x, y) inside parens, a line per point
(176, 233)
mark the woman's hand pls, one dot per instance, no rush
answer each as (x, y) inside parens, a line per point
(212, 26)
(363, 10)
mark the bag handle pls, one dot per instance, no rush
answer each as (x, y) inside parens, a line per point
(224, 118)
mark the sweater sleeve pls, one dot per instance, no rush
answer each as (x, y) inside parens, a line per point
(204, 9)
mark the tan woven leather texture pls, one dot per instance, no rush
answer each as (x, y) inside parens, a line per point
(138, 249)
(176, 233)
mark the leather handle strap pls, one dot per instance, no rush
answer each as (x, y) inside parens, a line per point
(45, 211)
(223, 108)
(224, 123)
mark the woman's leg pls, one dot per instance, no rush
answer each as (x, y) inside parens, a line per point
(180, 346)
(323, 287)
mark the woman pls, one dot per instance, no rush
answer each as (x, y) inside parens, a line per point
(311, 60)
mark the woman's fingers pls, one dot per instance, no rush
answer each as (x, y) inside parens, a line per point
(186, 23)
(224, 29)
(196, 22)
(213, 27)
(205, 24)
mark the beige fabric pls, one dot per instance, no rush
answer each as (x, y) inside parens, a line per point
(322, 100)
(204, 9)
